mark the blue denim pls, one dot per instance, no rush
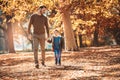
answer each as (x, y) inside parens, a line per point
(57, 53)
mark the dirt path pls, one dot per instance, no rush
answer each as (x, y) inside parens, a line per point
(101, 63)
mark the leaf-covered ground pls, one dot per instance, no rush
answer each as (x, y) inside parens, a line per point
(93, 63)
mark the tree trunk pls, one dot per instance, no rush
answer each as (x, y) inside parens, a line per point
(10, 38)
(80, 40)
(2, 40)
(116, 33)
(68, 32)
(95, 42)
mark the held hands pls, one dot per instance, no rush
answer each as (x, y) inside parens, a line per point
(29, 36)
(49, 40)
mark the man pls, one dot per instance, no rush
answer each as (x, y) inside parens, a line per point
(40, 26)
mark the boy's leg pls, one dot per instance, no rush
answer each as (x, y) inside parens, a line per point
(36, 44)
(59, 57)
(55, 53)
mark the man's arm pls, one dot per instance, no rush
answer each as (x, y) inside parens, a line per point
(29, 25)
(47, 28)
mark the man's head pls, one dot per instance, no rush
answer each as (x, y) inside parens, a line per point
(42, 9)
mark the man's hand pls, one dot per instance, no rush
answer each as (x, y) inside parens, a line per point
(30, 36)
(48, 35)
(29, 32)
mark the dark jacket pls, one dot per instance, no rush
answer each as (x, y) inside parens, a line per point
(59, 45)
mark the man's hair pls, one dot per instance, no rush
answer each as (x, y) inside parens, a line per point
(42, 7)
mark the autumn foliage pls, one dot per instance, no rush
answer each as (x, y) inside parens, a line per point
(93, 19)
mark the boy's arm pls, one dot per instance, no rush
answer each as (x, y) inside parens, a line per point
(62, 43)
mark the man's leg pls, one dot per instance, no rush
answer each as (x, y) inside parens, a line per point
(36, 44)
(42, 45)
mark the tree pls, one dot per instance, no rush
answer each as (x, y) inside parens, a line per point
(10, 42)
(72, 13)
(14, 11)
(68, 31)
(102, 14)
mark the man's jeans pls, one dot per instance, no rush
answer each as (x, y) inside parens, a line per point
(39, 39)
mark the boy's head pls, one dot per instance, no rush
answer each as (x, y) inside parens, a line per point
(42, 9)
(56, 32)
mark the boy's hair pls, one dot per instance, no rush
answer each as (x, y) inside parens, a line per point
(42, 7)
(56, 30)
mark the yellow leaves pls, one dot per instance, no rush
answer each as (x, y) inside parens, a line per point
(22, 8)
(56, 4)
(87, 42)
(107, 14)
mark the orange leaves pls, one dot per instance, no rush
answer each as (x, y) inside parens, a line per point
(20, 8)
(90, 10)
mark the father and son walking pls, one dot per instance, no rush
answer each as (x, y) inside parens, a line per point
(40, 27)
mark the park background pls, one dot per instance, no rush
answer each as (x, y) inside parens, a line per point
(91, 31)
(82, 23)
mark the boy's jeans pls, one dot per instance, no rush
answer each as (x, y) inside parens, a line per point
(57, 53)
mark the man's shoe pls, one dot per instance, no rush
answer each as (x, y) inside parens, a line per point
(37, 66)
(43, 64)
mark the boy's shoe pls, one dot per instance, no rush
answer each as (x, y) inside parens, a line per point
(55, 60)
(55, 63)
(37, 66)
(59, 64)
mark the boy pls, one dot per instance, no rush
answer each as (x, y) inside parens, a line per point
(57, 45)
